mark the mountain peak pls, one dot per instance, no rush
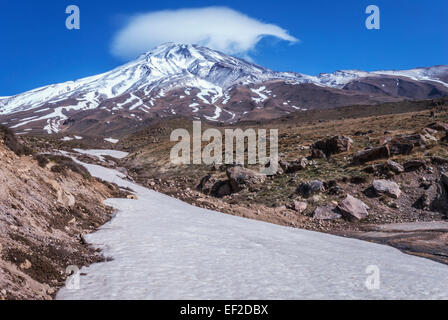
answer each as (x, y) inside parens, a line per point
(200, 81)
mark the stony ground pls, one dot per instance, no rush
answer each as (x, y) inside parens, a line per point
(46, 207)
(277, 200)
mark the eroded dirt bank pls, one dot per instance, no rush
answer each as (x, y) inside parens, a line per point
(44, 213)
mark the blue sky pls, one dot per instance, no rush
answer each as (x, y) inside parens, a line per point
(38, 50)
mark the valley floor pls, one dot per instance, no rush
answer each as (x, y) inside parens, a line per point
(163, 248)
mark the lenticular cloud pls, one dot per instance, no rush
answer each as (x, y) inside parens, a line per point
(219, 28)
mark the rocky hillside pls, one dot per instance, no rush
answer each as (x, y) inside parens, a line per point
(343, 171)
(47, 204)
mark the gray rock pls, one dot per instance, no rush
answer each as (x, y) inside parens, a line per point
(300, 206)
(368, 155)
(327, 212)
(240, 177)
(353, 209)
(393, 166)
(387, 187)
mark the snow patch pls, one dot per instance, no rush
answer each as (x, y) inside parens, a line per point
(163, 248)
(111, 140)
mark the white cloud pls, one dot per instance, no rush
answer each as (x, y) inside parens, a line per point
(219, 28)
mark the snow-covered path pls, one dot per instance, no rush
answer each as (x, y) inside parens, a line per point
(163, 248)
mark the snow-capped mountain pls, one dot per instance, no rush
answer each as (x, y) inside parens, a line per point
(195, 81)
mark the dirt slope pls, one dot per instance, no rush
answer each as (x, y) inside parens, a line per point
(43, 215)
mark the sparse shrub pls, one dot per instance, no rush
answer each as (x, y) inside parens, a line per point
(42, 160)
(13, 143)
(62, 164)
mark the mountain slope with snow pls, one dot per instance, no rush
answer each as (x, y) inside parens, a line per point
(167, 80)
(162, 248)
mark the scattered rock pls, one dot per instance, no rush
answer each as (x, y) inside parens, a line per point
(353, 209)
(132, 197)
(387, 187)
(393, 205)
(430, 131)
(327, 212)
(279, 171)
(206, 184)
(240, 177)
(293, 166)
(393, 166)
(423, 202)
(307, 189)
(221, 189)
(316, 199)
(299, 206)
(439, 126)
(414, 165)
(335, 145)
(371, 154)
(399, 146)
(26, 265)
(336, 191)
(430, 139)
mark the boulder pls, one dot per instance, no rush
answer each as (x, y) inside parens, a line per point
(307, 189)
(417, 139)
(430, 131)
(279, 171)
(397, 147)
(405, 143)
(393, 166)
(206, 184)
(371, 154)
(335, 145)
(414, 165)
(430, 139)
(439, 126)
(327, 212)
(299, 206)
(240, 177)
(293, 166)
(423, 202)
(387, 187)
(353, 209)
(221, 189)
(283, 164)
